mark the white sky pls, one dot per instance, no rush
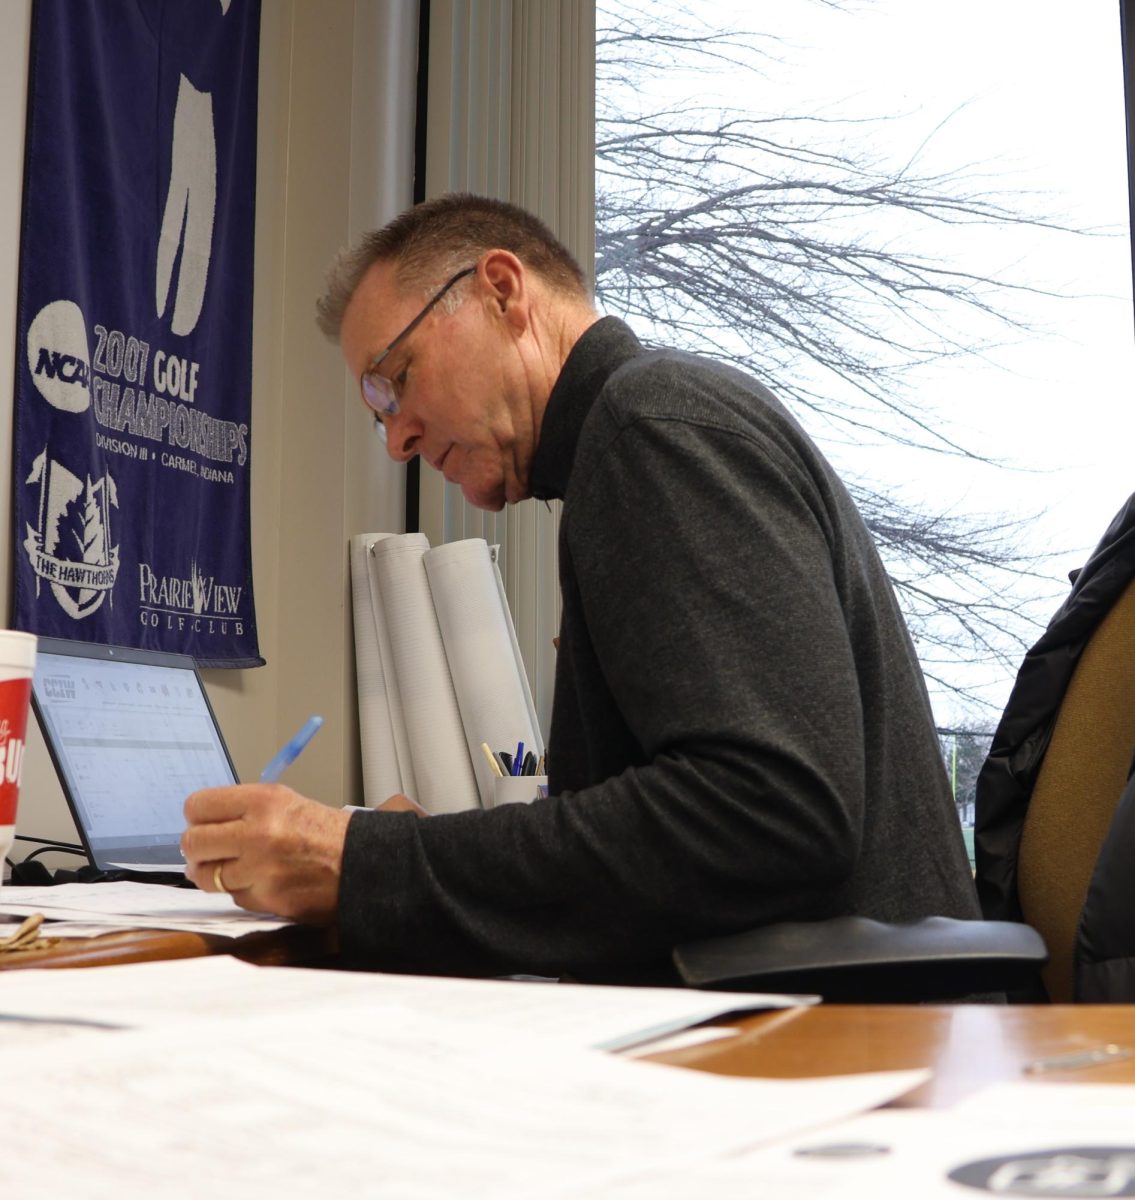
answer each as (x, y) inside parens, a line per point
(1033, 93)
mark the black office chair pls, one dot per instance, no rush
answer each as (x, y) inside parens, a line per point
(854, 960)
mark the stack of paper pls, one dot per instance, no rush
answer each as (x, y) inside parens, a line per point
(319, 1083)
(142, 995)
(211, 1076)
(126, 905)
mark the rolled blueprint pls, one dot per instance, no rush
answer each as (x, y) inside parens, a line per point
(490, 683)
(489, 679)
(522, 671)
(387, 767)
(443, 771)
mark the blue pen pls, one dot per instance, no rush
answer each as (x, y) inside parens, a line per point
(518, 758)
(290, 751)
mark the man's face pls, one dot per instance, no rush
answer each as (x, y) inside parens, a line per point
(459, 379)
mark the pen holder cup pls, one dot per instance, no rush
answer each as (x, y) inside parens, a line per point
(519, 789)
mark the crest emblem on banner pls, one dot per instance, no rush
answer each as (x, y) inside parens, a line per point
(72, 548)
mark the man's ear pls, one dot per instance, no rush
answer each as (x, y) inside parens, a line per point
(506, 286)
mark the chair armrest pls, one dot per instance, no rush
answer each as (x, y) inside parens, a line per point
(859, 960)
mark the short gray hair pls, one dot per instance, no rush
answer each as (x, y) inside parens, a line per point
(445, 235)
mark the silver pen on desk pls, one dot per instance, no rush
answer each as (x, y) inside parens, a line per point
(1078, 1059)
(290, 751)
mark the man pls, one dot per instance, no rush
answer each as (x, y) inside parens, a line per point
(740, 731)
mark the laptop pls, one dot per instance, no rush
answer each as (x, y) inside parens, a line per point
(131, 734)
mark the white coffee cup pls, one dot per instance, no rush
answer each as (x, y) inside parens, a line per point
(17, 664)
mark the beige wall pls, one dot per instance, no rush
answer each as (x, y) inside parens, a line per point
(335, 157)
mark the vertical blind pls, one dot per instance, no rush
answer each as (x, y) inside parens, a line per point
(511, 114)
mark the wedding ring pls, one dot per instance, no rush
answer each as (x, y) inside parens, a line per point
(218, 882)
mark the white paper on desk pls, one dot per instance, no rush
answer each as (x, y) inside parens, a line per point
(683, 1039)
(1081, 1105)
(443, 770)
(378, 1102)
(604, 1018)
(570, 1015)
(152, 868)
(152, 994)
(1054, 1132)
(130, 905)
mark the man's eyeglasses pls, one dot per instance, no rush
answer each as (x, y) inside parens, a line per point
(378, 391)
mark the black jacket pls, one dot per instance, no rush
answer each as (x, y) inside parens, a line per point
(1105, 941)
(740, 732)
(1005, 784)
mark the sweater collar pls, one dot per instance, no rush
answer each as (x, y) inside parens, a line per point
(599, 353)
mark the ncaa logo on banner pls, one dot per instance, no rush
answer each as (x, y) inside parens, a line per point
(58, 356)
(70, 547)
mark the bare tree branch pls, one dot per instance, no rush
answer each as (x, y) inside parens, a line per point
(785, 245)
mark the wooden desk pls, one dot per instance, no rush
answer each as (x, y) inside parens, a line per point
(967, 1045)
(291, 946)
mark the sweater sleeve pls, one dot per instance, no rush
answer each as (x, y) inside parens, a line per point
(713, 611)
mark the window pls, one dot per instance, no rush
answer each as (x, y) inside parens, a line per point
(922, 245)
(912, 224)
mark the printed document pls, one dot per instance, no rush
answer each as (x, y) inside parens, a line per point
(129, 905)
(371, 1099)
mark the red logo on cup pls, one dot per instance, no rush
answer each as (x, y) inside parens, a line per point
(14, 696)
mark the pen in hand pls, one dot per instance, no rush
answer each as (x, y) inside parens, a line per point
(290, 751)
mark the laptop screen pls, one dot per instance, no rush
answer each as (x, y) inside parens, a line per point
(131, 733)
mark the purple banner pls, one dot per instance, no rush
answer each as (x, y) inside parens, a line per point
(134, 357)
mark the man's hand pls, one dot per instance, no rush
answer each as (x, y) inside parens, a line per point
(400, 803)
(276, 850)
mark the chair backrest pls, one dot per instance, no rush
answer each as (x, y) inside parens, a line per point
(1077, 789)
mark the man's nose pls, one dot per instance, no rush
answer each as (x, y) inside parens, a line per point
(402, 437)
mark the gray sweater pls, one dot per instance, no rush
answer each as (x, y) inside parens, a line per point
(740, 731)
